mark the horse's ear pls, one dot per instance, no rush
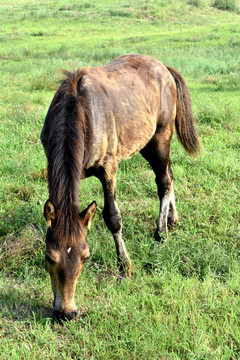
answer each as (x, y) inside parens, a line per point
(49, 213)
(88, 214)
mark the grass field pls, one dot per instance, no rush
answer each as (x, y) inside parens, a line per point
(183, 299)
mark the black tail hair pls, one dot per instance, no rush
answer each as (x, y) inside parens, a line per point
(185, 123)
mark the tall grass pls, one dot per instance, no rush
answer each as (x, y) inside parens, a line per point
(230, 5)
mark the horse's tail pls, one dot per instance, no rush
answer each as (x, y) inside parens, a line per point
(185, 122)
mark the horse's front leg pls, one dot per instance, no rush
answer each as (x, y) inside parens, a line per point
(113, 220)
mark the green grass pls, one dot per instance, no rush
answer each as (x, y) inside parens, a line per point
(230, 5)
(182, 301)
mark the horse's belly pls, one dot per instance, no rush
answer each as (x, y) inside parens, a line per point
(120, 142)
(134, 136)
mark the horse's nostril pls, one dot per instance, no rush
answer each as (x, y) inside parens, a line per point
(73, 314)
(62, 315)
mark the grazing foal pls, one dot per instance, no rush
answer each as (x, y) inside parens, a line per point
(98, 117)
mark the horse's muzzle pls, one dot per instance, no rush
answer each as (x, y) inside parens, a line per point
(62, 315)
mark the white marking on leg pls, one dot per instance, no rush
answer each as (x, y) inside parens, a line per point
(163, 214)
(172, 200)
(121, 246)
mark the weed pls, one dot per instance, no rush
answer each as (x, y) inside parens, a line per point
(196, 3)
(120, 13)
(229, 5)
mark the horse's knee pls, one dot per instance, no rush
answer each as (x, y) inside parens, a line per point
(113, 220)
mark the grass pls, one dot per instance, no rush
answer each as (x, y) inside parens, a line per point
(230, 5)
(182, 301)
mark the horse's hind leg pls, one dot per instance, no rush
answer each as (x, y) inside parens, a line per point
(157, 154)
(112, 216)
(172, 213)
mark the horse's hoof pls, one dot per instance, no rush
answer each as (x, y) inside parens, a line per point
(125, 269)
(160, 238)
(172, 223)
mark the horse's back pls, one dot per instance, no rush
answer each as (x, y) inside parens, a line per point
(128, 99)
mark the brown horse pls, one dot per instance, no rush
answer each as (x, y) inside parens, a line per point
(98, 117)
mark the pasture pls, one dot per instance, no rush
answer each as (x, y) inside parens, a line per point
(183, 299)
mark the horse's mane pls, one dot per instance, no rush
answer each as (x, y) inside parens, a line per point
(66, 150)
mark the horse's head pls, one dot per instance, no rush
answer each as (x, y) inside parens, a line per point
(65, 259)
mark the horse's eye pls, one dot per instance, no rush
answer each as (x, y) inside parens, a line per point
(47, 257)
